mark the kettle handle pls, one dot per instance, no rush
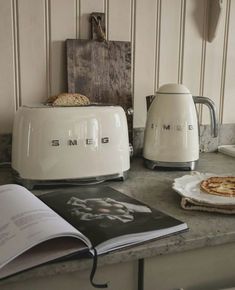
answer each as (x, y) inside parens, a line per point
(149, 100)
(210, 104)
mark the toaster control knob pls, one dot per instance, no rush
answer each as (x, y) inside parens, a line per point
(131, 150)
(129, 111)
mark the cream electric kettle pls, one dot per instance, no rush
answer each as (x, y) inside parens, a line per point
(171, 135)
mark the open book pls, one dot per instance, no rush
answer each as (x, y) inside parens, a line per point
(75, 220)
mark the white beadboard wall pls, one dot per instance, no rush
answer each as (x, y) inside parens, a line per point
(168, 45)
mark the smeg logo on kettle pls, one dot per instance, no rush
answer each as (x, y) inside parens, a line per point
(172, 127)
(76, 142)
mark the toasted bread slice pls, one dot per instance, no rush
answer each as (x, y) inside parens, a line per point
(68, 99)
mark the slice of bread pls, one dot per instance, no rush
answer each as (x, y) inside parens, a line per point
(69, 99)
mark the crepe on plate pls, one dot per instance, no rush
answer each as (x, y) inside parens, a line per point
(219, 185)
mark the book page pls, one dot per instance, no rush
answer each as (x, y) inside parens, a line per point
(26, 221)
(45, 252)
(109, 218)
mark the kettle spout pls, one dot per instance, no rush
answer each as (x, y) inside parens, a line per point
(149, 100)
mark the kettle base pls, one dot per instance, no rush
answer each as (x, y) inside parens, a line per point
(191, 165)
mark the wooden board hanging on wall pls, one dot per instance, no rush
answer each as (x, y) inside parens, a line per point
(101, 71)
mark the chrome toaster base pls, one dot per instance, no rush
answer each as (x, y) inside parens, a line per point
(31, 183)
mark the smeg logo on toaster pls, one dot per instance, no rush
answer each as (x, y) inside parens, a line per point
(77, 142)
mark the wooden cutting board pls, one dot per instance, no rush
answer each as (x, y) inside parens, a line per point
(101, 71)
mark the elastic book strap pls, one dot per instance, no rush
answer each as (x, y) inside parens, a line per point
(93, 271)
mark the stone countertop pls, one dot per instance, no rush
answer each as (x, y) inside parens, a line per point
(155, 189)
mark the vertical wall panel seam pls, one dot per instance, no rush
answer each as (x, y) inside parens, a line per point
(203, 57)
(106, 11)
(16, 54)
(183, 39)
(76, 19)
(181, 42)
(48, 44)
(133, 43)
(157, 46)
(224, 61)
(78, 16)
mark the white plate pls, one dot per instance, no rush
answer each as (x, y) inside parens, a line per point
(227, 149)
(189, 186)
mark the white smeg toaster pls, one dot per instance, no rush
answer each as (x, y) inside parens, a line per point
(63, 144)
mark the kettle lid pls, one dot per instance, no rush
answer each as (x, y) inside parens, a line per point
(173, 89)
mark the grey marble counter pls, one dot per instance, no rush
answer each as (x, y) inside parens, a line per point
(155, 189)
